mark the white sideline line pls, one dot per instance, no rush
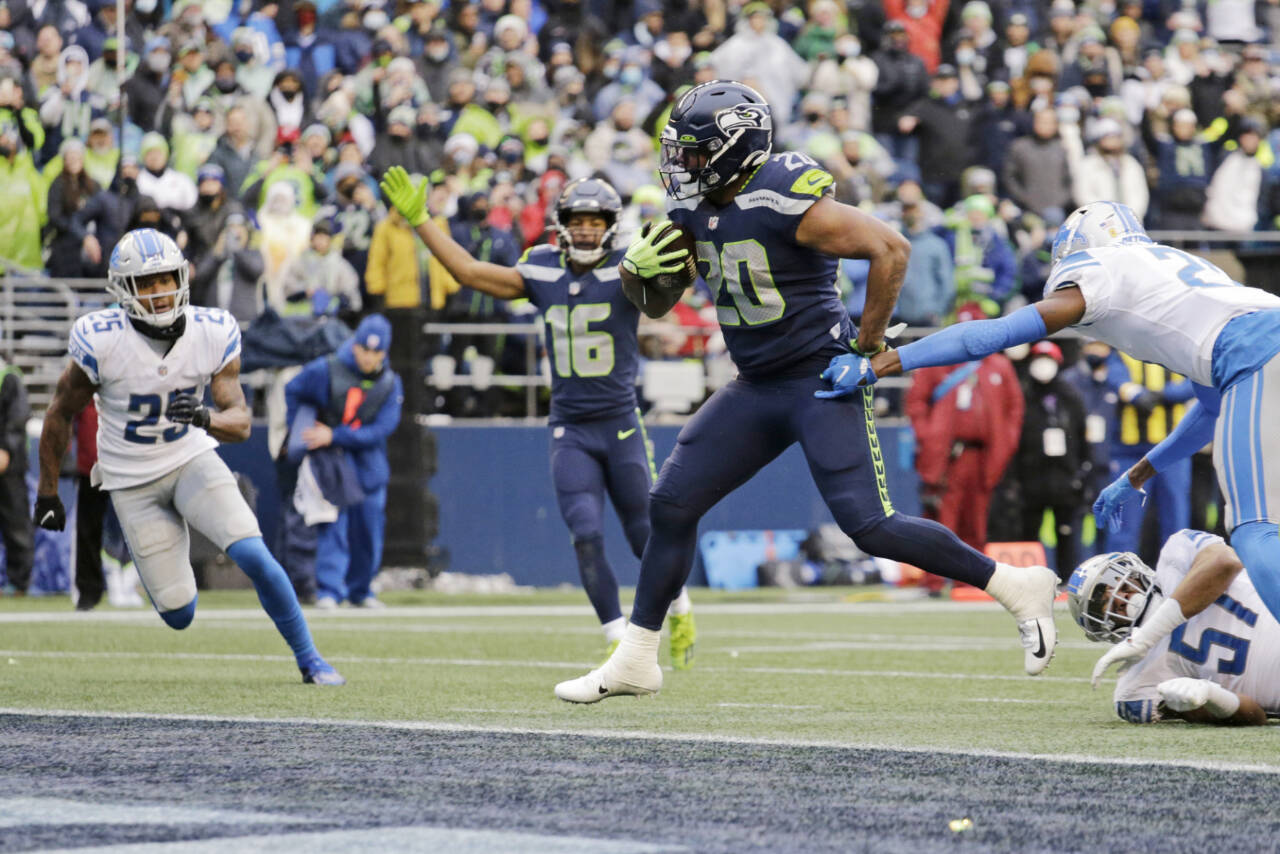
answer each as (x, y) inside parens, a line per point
(881, 609)
(518, 663)
(684, 738)
(1012, 700)
(764, 706)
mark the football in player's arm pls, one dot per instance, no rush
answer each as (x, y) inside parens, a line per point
(1163, 675)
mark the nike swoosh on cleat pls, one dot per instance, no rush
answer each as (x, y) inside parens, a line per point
(46, 517)
(1039, 653)
(623, 434)
(604, 690)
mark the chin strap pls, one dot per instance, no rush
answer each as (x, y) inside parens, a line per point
(172, 332)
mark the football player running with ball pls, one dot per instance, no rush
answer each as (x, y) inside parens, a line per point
(147, 363)
(1192, 638)
(768, 238)
(598, 442)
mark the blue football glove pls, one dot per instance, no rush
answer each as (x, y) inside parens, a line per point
(1106, 510)
(847, 373)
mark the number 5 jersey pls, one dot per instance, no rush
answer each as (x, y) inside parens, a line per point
(137, 443)
(1235, 642)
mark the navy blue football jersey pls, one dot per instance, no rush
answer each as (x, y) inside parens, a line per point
(590, 331)
(777, 301)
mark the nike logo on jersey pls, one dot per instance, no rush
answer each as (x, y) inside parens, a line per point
(46, 517)
(624, 434)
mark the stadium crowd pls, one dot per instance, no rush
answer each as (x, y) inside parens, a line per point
(254, 134)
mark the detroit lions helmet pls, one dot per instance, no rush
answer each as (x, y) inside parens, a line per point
(586, 195)
(1108, 594)
(717, 131)
(146, 252)
(1098, 224)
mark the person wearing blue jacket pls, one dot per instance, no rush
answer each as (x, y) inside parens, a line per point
(357, 400)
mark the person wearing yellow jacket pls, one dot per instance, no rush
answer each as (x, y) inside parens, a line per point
(22, 202)
(393, 273)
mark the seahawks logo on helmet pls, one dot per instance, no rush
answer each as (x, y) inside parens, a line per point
(742, 117)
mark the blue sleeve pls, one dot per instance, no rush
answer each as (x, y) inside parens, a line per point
(973, 339)
(311, 386)
(1193, 432)
(1179, 392)
(376, 432)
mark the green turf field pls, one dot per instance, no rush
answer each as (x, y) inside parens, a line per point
(813, 667)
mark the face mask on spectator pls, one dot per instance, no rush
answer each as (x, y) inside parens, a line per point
(631, 76)
(438, 52)
(158, 61)
(1095, 360)
(235, 240)
(226, 85)
(1043, 369)
(244, 55)
(290, 94)
(965, 55)
(207, 199)
(848, 48)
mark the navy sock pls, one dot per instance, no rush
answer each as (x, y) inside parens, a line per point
(598, 578)
(666, 563)
(275, 593)
(1258, 544)
(928, 546)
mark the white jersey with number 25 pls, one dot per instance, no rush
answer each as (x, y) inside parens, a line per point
(136, 442)
(1234, 642)
(1157, 303)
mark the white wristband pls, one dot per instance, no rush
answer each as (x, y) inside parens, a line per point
(1221, 703)
(1158, 625)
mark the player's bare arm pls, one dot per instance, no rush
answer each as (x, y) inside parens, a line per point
(411, 202)
(73, 393)
(846, 232)
(230, 420)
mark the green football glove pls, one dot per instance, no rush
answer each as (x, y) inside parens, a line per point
(411, 201)
(645, 257)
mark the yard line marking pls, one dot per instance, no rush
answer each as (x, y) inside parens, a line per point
(683, 738)
(519, 663)
(884, 609)
(925, 643)
(763, 706)
(1012, 700)
(16, 812)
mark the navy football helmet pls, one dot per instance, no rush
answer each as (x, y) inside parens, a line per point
(586, 195)
(716, 132)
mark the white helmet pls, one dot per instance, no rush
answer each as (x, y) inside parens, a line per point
(1098, 224)
(1108, 595)
(145, 252)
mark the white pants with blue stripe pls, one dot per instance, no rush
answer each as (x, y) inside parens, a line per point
(1246, 448)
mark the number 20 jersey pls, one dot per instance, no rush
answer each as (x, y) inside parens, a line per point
(1157, 303)
(136, 442)
(776, 300)
(1234, 642)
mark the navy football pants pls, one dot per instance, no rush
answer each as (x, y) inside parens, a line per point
(742, 428)
(588, 460)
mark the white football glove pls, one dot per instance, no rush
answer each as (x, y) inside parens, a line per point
(1184, 694)
(1126, 654)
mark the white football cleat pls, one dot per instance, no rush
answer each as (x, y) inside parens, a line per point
(612, 679)
(1028, 593)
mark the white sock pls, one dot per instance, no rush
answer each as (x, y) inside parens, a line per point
(681, 605)
(614, 628)
(639, 647)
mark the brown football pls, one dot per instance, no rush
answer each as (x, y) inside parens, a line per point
(689, 264)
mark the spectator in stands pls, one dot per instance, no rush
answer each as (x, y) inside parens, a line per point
(286, 232)
(944, 124)
(464, 116)
(320, 281)
(1110, 173)
(1013, 51)
(1184, 163)
(928, 288)
(1236, 190)
(101, 156)
(309, 49)
(1097, 384)
(289, 102)
(146, 89)
(22, 202)
(170, 189)
(1053, 461)
(43, 71)
(986, 269)
(1037, 176)
(999, 123)
(755, 51)
(205, 222)
(16, 527)
(967, 421)
(397, 145)
(235, 153)
(67, 108)
(235, 283)
(923, 21)
(902, 81)
(253, 74)
(393, 278)
(619, 149)
(67, 195)
(194, 136)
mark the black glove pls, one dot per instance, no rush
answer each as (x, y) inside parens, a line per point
(187, 409)
(50, 513)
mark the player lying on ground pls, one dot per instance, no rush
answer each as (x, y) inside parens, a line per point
(148, 363)
(1207, 651)
(1163, 305)
(598, 442)
(769, 237)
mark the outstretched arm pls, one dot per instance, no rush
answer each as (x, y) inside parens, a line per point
(411, 202)
(73, 393)
(846, 232)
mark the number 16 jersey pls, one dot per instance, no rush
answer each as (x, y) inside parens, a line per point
(137, 443)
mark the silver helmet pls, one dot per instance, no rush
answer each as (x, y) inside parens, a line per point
(145, 252)
(1108, 594)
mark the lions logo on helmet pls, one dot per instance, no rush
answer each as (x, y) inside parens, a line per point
(586, 195)
(1098, 224)
(717, 132)
(142, 253)
(1108, 594)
